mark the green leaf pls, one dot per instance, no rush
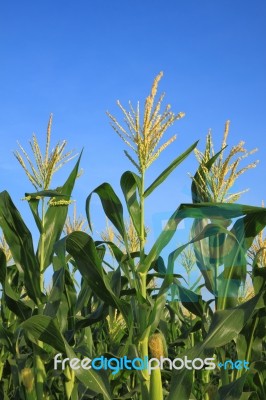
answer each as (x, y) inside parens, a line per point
(202, 254)
(82, 248)
(111, 204)
(200, 210)
(56, 293)
(168, 170)
(181, 385)
(235, 262)
(258, 372)
(13, 302)
(19, 240)
(96, 316)
(249, 342)
(94, 380)
(225, 326)
(222, 211)
(55, 218)
(130, 182)
(6, 339)
(249, 396)
(199, 190)
(83, 296)
(34, 201)
(259, 279)
(2, 267)
(154, 313)
(34, 207)
(191, 301)
(118, 254)
(44, 328)
(233, 390)
(169, 231)
(45, 193)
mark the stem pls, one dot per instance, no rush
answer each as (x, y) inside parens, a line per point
(206, 381)
(216, 266)
(145, 385)
(143, 345)
(142, 238)
(142, 222)
(40, 373)
(156, 392)
(42, 240)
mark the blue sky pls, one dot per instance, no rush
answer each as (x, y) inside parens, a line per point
(76, 59)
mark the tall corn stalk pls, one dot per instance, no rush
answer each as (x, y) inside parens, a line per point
(213, 183)
(39, 170)
(143, 134)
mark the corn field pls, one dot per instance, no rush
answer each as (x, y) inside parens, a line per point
(155, 332)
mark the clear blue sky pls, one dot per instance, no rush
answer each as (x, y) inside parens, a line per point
(76, 59)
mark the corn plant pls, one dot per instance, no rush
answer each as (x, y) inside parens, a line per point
(147, 314)
(138, 306)
(22, 279)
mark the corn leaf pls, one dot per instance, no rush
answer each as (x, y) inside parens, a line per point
(225, 326)
(82, 248)
(200, 210)
(161, 178)
(19, 240)
(130, 183)
(233, 390)
(46, 329)
(55, 218)
(111, 204)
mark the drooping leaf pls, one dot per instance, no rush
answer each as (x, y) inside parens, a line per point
(19, 240)
(15, 304)
(111, 204)
(199, 210)
(130, 184)
(45, 328)
(96, 316)
(82, 248)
